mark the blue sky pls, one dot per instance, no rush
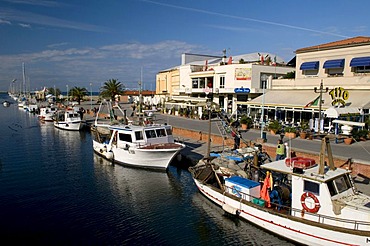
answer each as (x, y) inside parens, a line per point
(76, 43)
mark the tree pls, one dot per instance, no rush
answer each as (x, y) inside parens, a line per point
(111, 88)
(78, 93)
(55, 92)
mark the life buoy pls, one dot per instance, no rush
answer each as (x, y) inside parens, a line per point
(300, 162)
(317, 206)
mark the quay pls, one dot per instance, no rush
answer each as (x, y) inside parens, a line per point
(194, 133)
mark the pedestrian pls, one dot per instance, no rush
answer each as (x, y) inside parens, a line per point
(280, 150)
(236, 140)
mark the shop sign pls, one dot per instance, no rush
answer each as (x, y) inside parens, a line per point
(339, 96)
(242, 90)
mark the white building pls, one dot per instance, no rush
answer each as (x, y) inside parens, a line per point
(225, 81)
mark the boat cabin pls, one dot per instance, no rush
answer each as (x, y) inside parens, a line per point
(330, 197)
(141, 135)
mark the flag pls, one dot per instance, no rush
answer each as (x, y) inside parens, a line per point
(230, 61)
(313, 103)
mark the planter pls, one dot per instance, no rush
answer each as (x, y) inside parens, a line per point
(244, 126)
(348, 141)
(290, 134)
(273, 132)
(303, 135)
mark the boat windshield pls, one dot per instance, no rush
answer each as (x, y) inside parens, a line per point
(339, 184)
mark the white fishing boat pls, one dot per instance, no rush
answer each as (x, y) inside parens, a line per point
(68, 120)
(47, 113)
(149, 146)
(297, 199)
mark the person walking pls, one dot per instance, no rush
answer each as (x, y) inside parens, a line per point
(280, 150)
(236, 140)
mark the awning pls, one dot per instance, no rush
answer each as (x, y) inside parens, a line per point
(360, 61)
(338, 63)
(335, 112)
(310, 65)
(298, 99)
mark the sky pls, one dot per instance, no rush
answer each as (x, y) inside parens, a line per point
(85, 43)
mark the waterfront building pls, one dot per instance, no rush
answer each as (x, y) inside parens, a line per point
(225, 81)
(343, 68)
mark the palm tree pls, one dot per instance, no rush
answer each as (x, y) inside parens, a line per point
(111, 88)
(78, 93)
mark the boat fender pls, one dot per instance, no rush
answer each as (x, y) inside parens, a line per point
(229, 209)
(317, 206)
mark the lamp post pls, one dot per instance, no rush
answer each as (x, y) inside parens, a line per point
(90, 97)
(67, 97)
(263, 80)
(320, 91)
(209, 104)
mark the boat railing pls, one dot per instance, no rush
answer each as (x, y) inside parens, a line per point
(322, 219)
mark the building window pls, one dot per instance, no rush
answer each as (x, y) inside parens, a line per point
(202, 83)
(195, 83)
(334, 72)
(222, 82)
(361, 69)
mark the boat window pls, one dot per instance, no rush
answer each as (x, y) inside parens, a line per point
(125, 137)
(313, 187)
(331, 187)
(169, 131)
(342, 183)
(139, 135)
(161, 132)
(150, 134)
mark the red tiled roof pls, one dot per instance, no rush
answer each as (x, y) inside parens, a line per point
(136, 93)
(360, 40)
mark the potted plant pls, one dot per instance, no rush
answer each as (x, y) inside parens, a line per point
(348, 140)
(290, 131)
(274, 126)
(304, 128)
(246, 122)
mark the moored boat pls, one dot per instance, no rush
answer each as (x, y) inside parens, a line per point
(295, 198)
(149, 146)
(47, 113)
(68, 120)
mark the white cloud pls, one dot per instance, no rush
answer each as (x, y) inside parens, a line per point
(80, 67)
(24, 25)
(5, 22)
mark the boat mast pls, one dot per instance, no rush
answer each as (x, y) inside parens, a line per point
(24, 78)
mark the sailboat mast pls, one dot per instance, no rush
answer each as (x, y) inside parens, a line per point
(24, 78)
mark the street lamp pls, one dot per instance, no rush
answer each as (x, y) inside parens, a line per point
(67, 97)
(209, 104)
(320, 91)
(90, 97)
(263, 80)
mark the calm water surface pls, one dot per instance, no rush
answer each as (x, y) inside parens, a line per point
(55, 191)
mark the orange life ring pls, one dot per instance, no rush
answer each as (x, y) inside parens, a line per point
(317, 206)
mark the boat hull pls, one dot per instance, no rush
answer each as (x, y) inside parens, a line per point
(296, 230)
(152, 158)
(70, 126)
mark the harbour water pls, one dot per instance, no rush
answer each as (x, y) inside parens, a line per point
(55, 191)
